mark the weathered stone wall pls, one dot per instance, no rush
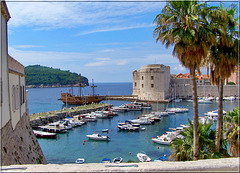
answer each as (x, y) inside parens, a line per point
(185, 91)
(20, 146)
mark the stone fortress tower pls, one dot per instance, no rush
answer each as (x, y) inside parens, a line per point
(151, 82)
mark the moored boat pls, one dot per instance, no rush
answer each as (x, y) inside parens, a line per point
(80, 161)
(98, 137)
(143, 157)
(117, 160)
(41, 134)
(106, 160)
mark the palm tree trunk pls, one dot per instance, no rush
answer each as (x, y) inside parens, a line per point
(195, 116)
(220, 116)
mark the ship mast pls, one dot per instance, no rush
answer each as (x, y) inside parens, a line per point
(80, 85)
(93, 86)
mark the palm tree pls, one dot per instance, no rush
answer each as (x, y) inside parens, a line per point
(183, 24)
(183, 148)
(224, 56)
(232, 131)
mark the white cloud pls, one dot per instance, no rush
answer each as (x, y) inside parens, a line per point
(51, 15)
(26, 46)
(115, 28)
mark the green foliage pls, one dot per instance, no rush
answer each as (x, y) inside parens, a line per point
(183, 148)
(232, 131)
(231, 83)
(37, 75)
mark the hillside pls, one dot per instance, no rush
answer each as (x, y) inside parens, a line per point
(37, 75)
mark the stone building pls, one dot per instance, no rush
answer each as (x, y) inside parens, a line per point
(18, 143)
(154, 83)
(151, 82)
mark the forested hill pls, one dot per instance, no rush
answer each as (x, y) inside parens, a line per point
(37, 75)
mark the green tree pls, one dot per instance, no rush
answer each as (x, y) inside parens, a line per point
(183, 148)
(232, 131)
(183, 24)
(224, 55)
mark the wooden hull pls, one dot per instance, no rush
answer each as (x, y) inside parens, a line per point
(77, 100)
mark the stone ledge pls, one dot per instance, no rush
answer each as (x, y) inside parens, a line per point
(212, 165)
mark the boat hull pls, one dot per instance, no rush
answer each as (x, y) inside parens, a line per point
(77, 100)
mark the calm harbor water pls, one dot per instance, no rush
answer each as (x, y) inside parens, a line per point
(68, 147)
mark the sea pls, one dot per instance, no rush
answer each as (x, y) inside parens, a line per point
(74, 144)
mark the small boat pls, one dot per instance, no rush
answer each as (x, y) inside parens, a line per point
(163, 158)
(117, 160)
(80, 161)
(41, 134)
(104, 130)
(203, 101)
(106, 160)
(143, 157)
(165, 139)
(98, 137)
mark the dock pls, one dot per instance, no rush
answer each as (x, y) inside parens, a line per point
(131, 98)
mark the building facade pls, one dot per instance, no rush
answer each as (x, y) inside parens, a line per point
(18, 143)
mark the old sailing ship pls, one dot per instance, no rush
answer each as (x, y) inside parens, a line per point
(70, 99)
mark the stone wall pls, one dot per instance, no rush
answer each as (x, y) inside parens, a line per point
(20, 146)
(185, 91)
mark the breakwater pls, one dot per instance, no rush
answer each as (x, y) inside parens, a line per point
(44, 118)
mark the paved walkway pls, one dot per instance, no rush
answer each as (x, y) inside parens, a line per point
(212, 165)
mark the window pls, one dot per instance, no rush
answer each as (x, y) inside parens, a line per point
(142, 85)
(13, 98)
(152, 85)
(152, 77)
(135, 84)
(142, 77)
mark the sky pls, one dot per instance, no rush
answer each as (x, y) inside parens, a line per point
(104, 41)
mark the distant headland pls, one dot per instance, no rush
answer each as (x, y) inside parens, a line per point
(47, 77)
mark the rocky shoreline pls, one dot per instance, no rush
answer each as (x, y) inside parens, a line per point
(51, 86)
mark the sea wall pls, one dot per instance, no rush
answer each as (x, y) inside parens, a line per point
(58, 116)
(20, 146)
(185, 91)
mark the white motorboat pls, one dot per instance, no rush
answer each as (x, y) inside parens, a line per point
(80, 161)
(177, 110)
(90, 118)
(128, 127)
(41, 134)
(143, 105)
(98, 137)
(117, 160)
(142, 121)
(133, 107)
(161, 113)
(100, 114)
(205, 102)
(143, 157)
(232, 98)
(164, 139)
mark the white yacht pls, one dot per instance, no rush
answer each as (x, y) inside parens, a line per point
(98, 137)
